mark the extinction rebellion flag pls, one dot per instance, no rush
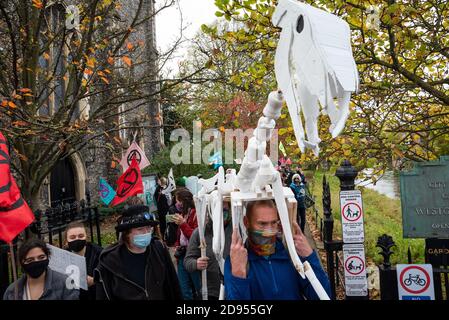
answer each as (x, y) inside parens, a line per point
(15, 215)
(134, 151)
(106, 192)
(129, 184)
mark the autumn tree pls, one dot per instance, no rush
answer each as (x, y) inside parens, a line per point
(71, 76)
(401, 111)
(221, 97)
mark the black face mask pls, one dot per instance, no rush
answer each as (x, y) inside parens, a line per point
(77, 245)
(35, 269)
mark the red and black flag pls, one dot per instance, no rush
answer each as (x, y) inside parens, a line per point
(129, 184)
(15, 215)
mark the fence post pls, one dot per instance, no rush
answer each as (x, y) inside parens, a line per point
(328, 227)
(347, 173)
(330, 245)
(387, 274)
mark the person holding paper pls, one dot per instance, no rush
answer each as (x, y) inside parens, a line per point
(193, 261)
(187, 222)
(39, 282)
(76, 241)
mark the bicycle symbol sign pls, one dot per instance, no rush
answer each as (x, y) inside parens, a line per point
(414, 279)
(352, 212)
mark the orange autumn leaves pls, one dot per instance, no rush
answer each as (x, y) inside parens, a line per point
(38, 4)
(12, 102)
(127, 61)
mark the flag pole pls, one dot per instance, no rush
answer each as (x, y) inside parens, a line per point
(14, 271)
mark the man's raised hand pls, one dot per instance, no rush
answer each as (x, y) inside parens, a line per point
(303, 248)
(239, 255)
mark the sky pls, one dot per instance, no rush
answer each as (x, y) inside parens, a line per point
(168, 23)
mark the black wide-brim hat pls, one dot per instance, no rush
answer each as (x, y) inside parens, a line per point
(135, 217)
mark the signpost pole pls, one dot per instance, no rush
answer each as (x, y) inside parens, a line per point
(347, 174)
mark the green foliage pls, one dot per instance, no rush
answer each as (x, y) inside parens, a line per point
(108, 211)
(161, 164)
(400, 111)
(108, 238)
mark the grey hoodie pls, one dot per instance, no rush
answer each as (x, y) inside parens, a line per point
(194, 252)
(54, 289)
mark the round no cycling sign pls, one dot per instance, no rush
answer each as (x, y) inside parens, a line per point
(415, 282)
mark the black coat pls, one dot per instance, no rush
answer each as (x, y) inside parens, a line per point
(92, 256)
(161, 279)
(161, 200)
(162, 207)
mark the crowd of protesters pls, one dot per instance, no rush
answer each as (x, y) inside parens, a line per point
(158, 257)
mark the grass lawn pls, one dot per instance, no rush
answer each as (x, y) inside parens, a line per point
(382, 215)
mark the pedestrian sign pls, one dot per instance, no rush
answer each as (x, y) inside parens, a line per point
(356, 283)
(352, 216)
(415, 282)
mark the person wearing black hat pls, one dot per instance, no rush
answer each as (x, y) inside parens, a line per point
(139, 266)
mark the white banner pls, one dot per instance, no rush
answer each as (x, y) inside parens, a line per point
(70, 264)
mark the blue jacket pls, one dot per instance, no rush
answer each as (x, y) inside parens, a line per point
(274, 278)
(300, 194)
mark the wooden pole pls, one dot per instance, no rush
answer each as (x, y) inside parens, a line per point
(203, 272)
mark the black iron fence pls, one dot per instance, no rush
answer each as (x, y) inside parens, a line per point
(388, 274)
(50, 225)
(333, 247)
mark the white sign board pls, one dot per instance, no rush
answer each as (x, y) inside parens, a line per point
(70, 264)
(356, 283)
(415, 282)
(352, 216)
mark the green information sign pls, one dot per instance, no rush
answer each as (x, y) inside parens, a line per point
(425, 200)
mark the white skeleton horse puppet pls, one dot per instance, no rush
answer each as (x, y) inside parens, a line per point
(314, 65)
